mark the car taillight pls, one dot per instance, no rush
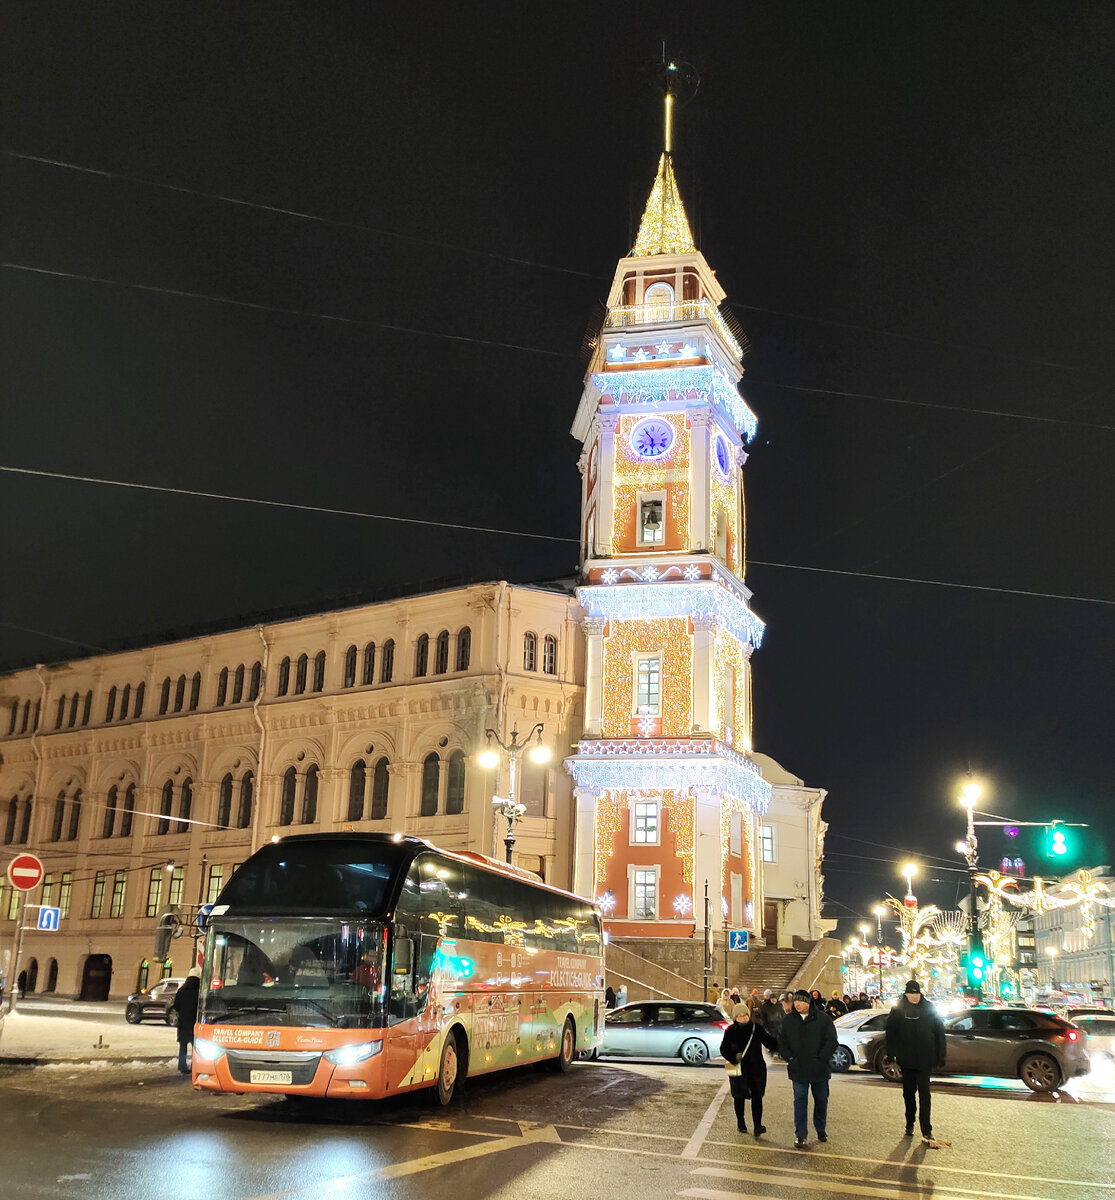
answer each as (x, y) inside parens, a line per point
(1071, 1034)
(722, 1024)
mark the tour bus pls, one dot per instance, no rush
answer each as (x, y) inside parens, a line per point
(363, 965)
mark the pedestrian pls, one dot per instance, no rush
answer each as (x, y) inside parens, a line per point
(755, 1007)
(807, 1041)
(915, 1039)
(621, 995)
(770, 1007)
(185, 1005)
(736, 997)
(836, 1007)
(816, 999)
(724, 1003)
(21, 984)
(742, 1051)
(609, 997)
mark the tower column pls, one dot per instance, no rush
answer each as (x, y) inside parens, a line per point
(594, 674)
(708, 862)
(700, 504)
(584, 842)
(605, 519)
(704, 674)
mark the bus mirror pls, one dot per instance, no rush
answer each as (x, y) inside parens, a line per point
(404, 955)
(164, 931)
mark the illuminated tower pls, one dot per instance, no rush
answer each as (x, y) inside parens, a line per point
(668, 797)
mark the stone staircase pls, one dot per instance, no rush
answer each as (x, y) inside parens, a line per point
(644, 979)
(771, 968)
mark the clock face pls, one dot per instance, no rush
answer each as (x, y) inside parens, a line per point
(723, 456)
(652, 438)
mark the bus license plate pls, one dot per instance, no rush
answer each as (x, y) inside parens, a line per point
(271, 1077)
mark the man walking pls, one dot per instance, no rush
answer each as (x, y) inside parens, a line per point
(915, 1039)
(807, 1040)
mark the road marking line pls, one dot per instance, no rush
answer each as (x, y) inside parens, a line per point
(882, 1190)
(693, 1146)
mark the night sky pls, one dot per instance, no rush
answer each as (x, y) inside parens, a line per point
(345, 255)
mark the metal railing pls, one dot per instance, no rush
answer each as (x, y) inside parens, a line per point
(685, 310)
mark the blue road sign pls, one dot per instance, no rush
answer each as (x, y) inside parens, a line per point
(737, 939)
(203, 916)
(48, 919)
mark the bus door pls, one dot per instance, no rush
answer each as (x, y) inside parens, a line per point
(402, 1037)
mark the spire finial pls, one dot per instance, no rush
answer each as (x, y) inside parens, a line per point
(679, 82)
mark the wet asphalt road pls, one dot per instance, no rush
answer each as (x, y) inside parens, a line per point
(640, 1129)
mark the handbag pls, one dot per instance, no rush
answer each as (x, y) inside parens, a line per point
(733, 1068)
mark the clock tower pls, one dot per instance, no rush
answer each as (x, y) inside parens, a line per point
(668, 797)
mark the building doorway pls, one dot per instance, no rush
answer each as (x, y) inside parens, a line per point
(770, 922)
(96, 976)
(32, 975)
(51, 976)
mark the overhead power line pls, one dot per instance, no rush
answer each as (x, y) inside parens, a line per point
(547, 537)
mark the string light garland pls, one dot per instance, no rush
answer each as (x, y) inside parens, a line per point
(730, 652)
(703, 600)
(696, 385)
(609, 818)
(668, 636)
(664, 228)
(722, 498)
(682, 809)
(633, 474)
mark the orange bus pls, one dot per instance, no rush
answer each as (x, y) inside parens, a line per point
(363, 965)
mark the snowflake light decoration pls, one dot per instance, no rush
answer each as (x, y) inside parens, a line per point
(749, 912)
(683, 906)
(610, 576)
(649, 574)
(692, 572)
(724, 907)
(607, 903)
(647, 726)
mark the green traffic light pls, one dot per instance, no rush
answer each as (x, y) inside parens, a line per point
(1056, 842)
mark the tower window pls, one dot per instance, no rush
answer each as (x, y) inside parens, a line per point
(766, 842)
(646, 894)
(648, 686)
(652, 529)
(658, 298)
(644, 823)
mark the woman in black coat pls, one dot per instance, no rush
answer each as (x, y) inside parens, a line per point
(743, 1043)
(185, 1005)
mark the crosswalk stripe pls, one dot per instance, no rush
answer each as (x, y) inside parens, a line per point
(693, 1146)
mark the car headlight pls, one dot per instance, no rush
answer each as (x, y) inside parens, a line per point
(210, 1051)
(346, 1056)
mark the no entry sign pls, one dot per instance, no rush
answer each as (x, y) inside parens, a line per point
(25, 872)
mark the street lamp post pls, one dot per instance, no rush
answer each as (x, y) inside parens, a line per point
(878, 910)
(969, 848)
(507, 806)
(1052, 952)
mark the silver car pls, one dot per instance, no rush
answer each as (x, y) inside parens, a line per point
(681, 1029)
(1042, 1050)
(856, 1033)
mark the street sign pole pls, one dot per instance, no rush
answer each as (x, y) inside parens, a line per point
(25, 872)
(13, 990)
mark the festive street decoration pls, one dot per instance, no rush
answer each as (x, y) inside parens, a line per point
(664, 228)
(680, 386)
(703, 601)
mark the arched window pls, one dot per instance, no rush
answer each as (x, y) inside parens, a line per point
(222, 687)
(224, 802)
(284, 678)
(381, 781)
(300, 674)
(75, 816)
(110, 811)
(25, 824)
(441, 653)
(180, 693)
(421, 655)
(349, 678)
(430, 769)
(549, 654)
(110, 705)
(244, 816)
(185, 802)
(369, 675)
(658, 298)
(387, 667)
(195, 691)
(464, 648)
(455, 791)
(74, 699)
(13, 816)
(238, 685)
(60, 715)
(129, 811)
(530, 651)
(27, 715)
(319, 671)
(286, 800)
(356, 790)
(125, 702)
(257, 679)
(14, 715)
(137, 711)
(166, 802)
(51, 975)
(309, 795)
(59, 816)
(35, 716)
(164, 697)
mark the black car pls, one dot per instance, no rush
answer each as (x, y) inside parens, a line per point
(155, 1003)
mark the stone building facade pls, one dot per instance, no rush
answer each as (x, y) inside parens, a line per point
(141, 779)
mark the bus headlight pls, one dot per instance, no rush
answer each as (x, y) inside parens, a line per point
(207, 1050)
(346, 1056)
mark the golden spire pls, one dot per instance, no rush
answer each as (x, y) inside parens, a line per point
(664, 228)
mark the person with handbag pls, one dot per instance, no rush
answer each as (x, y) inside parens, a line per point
(742, 1051)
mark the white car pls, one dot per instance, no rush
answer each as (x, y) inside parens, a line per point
(855, 1032)
(1099, 1030)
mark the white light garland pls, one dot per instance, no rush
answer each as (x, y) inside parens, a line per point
(706, 385)
(644, 602)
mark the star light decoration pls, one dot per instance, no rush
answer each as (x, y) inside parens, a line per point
(679, 385)
(626, 315)
(607, 903)
(683, 906)
(647, 726)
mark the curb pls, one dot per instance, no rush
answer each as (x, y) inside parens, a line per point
(48, 1059)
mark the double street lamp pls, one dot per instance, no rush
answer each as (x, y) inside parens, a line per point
(969, 848)
(507, 806)
(879, 910)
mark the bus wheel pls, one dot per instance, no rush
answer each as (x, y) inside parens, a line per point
(568, 1051)
(447, 1071)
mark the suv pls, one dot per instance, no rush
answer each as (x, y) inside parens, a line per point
(155, 1003)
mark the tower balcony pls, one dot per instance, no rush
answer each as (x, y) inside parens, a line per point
(622, 316)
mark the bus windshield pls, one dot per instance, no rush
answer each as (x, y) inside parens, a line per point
(309, 972)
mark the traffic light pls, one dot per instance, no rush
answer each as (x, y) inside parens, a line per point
(976, 967)
(1057, 844)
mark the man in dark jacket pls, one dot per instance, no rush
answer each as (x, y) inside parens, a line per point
(807, 1040)
(915, 1039)
(185, 1005)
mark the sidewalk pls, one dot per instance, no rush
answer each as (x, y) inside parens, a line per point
(33, 1039)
